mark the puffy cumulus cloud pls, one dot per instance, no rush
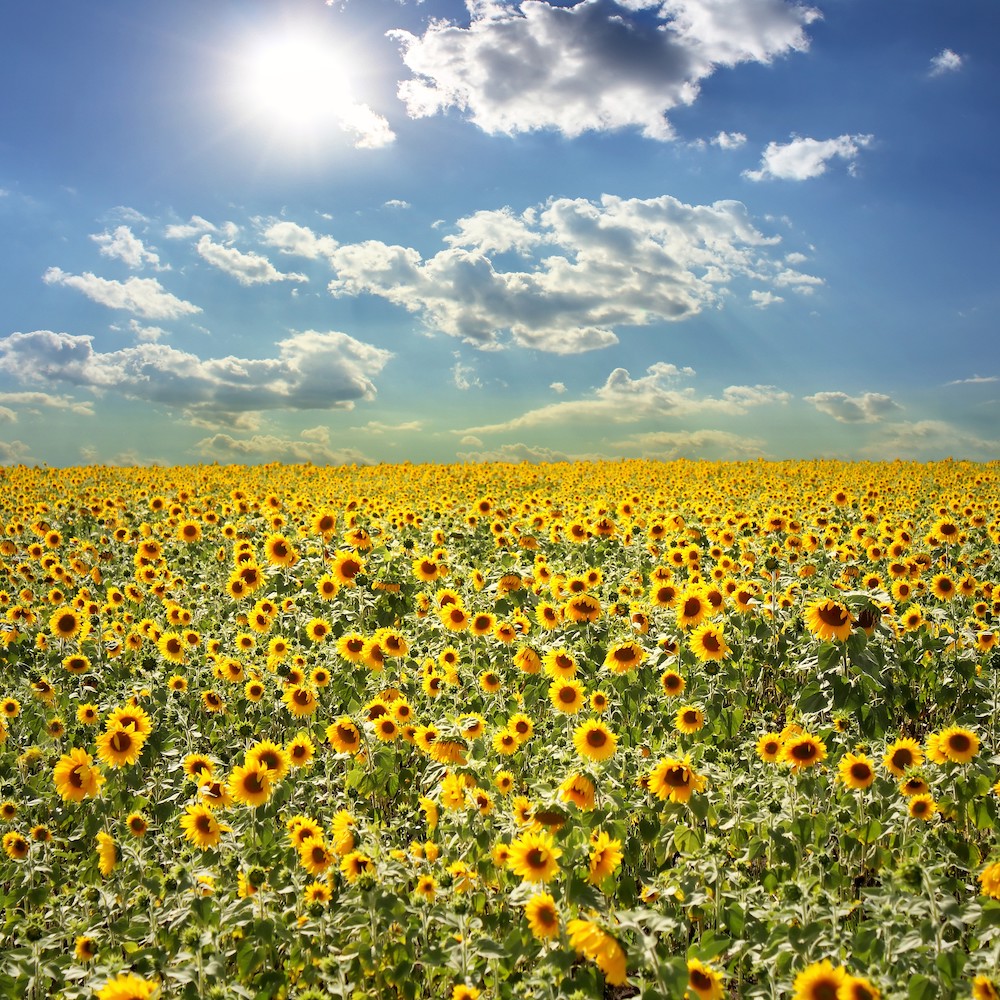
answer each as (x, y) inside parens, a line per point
(699, 444)
(300, 241)
(378, 427)
(589, 266)
(124, 245)
(929, 440)
(518, 452)
(946, 61)
(764, 299)
(274, 448)
(312, 371)
(802, 159)
(558, 387)
(593, 65)
(195, 226)
(35, 402)
(369, 129)
(729, 140)
(146, 333)
(14, 453)
(143, 296)
(623, 399)
(865, 409)
(246, 268)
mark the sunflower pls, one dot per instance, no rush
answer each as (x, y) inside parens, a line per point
(591, 940)
(559, 663)
(279, 551)
(317, 629)
(85, 949)
(354, 864)
(107, 853)
(201, 827)
(15, 845)
(300, 749)
(503, 782)
(300, 701)
(958, 745)
(856, 770)
(172, 647)
(819, 981)
(125, 986)
(584, 608)
(343, 735)
(66, 623)
(426, 887)
(351, 646)
(984, 988)
(136, 824)
(594, 740)
(672, 683)
(345, 567)
(914, 784)
(691, 607)
(902, 755)
(534, 857)
(543, 916)
(251, 784)
(567, 696)
(704, 981)
(579, 790)
(212, 702)
(77, 663)
(689, 719)
(769, 747)
(624, 656)
(76, 777)
(271, 756)
(828, 619)
(119, 746)
(674, 780)
(802, 750)
(943, 587)
(989, 880)
(605, 856)
(314, 855)
(922, 806)
(707, 642)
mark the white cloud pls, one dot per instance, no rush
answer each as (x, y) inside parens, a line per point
(273, 448)
(124, 245)
(699, 444)
(146, 334)
(378, 427)
(802, 159)
(764, 299)
(320, 434)
(589, 266)
(929, 440)
(729, 140)
(14, 453)
(865, 409)
(44, 400)
(246, 268)
(595, 65)
(558, 388)
(623, 399)
(7, 415)
(471, 441)
(946, 61)
(312, 371)
(301, 241)
(395, 203)
(194, 227)
(518, 452)
(464, 377)
(129, 458)
(370, 129)
(974, 380)
(143, 296)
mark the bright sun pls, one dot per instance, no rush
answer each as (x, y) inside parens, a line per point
(294, 83)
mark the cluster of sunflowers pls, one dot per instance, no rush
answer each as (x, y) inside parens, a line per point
(500, 731)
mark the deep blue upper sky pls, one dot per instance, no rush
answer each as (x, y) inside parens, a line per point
(380, 230)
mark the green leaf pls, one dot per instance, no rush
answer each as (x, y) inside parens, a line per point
(920, 987)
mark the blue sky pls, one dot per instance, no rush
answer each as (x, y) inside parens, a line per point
(389, 230)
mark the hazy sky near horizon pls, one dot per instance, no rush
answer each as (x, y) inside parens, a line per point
(390, 230)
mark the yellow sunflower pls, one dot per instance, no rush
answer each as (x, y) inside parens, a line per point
(828, 619)
(594, 740)
(542, 915)
(534, 857)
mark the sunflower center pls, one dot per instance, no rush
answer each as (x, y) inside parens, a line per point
(698, 980)
(711, 643)
(66, 623)
(597, 738)
(860, 772)
(676, 777)
(902, 758)
(959, 743)
(833, 615)
(203, 823)
(804, 751)
(75, 777)
(567, 695)
(535, 858)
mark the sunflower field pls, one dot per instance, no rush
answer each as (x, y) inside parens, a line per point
(661, 730)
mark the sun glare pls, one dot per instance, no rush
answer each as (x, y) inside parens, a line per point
(294, 83)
